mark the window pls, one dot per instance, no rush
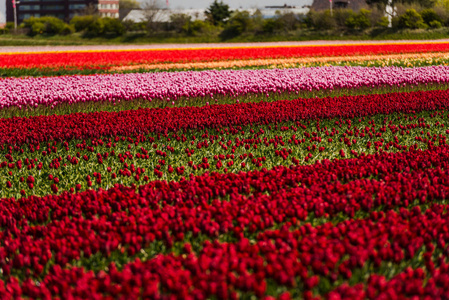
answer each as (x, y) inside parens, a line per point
(28, 7)
(108, 6)
(25, 16)
(77, 6)
(52, 7)
(341, 4)
(59, 16)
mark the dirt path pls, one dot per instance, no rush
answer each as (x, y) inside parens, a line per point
(24, 49)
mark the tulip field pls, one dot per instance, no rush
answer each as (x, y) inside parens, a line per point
(293, 172)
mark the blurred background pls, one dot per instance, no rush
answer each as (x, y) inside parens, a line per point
(230, 20)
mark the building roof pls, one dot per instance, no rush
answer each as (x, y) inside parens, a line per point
(138, 15)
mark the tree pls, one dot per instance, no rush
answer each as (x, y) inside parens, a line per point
(271, 25)
(320, 20)
(429, 16)
(125, 6)
(442, 10)
(89, 10)
(289, 21)
(47, 25)
(218, 12)
(152, 13)
(359, 21)
(81, 23)
(411, 19)
(178, 21)
(238, 23)
(443, 4)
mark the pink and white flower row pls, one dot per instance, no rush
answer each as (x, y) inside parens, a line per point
(51, 91)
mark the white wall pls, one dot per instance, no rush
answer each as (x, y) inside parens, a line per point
(2, 11)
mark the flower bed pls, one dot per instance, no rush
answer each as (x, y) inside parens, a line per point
(93, 59)
(200, 88)
(51, 154)
(233, 234)
(408, 60)
(269, 184)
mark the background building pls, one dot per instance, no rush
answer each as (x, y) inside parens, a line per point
(2, 13)
(163, 16)
(351, 4)
(62, 9)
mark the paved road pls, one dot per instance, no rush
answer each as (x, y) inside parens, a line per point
(8, 49)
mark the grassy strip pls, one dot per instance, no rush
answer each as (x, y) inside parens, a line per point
(87, 107)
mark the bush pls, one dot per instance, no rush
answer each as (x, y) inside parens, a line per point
(239, 22)
(435, 24)
(68, 29)
(411, 19)
(271, 25)
(383, 22)
(95, 28)
(178, 21)
(37, 28)
(377, 17)
(359, 21)
(429, 15)
(113, 26)
(341, 15)
(45, 25)
(288, 21)
(105, 26)
(9, 26)
(130, 25)
(197, 26)
(258, 21)
(320, 20)
(443, 14)
(81, 23)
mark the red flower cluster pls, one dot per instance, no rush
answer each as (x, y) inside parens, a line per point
(256, 223)
(94, 59)
(143, 121)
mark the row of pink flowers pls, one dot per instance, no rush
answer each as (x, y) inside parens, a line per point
(171, 87)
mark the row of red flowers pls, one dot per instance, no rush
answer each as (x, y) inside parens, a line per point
(20, 130)
(75, 165)
(230, 270)
(112, 58)
(42, 235)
